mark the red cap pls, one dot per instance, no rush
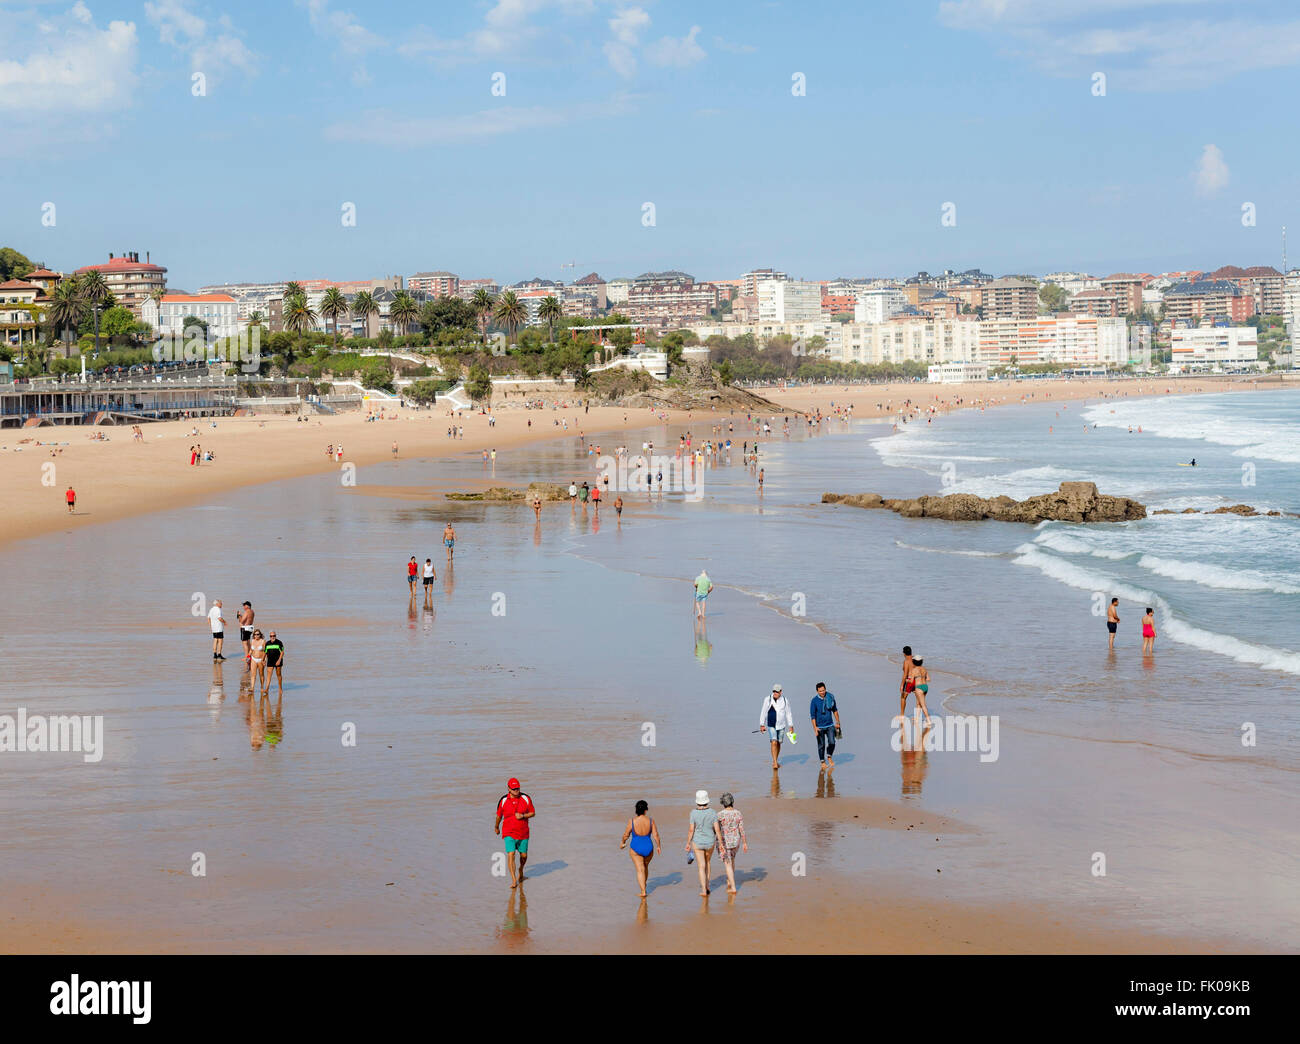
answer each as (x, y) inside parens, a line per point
(513, 784)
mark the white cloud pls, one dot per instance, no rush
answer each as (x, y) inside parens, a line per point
(1170, 53)
(383, 127)
(627, 25)
(340, 27)
(621, 57)
(670, 51)
(212, 54)
(733, 48)
(1211, 173)
(75, 68)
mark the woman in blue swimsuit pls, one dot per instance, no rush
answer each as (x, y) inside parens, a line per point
(644, 837)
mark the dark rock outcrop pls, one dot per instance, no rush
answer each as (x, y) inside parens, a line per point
(506, 495)
(1073, 502)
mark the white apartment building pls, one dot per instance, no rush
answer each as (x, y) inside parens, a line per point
(1291, 304)
(788, 301)
(219, 311)
(878, 304)
(1073, 282)
(1078, 339)
(750, 280)
(958, 373)
(1207, 346)
(249, 297)
(616, 291)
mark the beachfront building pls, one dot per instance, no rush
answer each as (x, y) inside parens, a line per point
(750, 280)
(130, 279)
(788, 301)
(1208, 346)
(435, 284)
(1127, 290)
(219, 311)
(877, 304)
(1208, 299)
(19, 313)
(1010, 298)
(248, 297)
(673, 298)
(958, 373)
(1067, 339)
(1263, 283)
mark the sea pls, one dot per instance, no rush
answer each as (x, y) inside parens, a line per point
(1156, 791)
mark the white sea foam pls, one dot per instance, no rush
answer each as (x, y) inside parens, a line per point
(1211, 420)
(1208, 575)
(1073, 575)
(952, 551)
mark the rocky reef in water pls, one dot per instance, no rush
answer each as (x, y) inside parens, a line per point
(1073, 502)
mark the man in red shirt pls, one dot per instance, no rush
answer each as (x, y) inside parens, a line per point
(72, 500)
(516, 809)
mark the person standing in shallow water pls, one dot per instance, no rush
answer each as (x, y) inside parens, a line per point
(1112, 621)
(1149, 631)
(643, 836)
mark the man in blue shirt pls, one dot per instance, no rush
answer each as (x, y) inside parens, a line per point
(826, 722)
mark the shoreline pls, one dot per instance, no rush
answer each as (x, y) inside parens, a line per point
(118, 479)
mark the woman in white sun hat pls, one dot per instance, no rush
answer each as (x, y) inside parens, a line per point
(775, 720)
(702, 837)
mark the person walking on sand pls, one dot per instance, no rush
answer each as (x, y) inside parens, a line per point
(703, 588)
(218, 623)
(702, 837)
(71, 497)
(907, 684)
(775, 719)
(618, 509)
(274, 663)
(731, 833)
(430, 575)
(1149, 631)
(1112, 621)
(245, 619)
(514, 810)
(573, 495)
(921, 678)
(537, 507)
(412, 573)
(643, 835)
(394, 449)
(826, 723)
(449, 540)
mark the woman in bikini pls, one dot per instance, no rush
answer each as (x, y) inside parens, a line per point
(921, 678)
(257, 659)
(644, 837)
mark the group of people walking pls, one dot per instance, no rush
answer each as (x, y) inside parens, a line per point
(776, 721)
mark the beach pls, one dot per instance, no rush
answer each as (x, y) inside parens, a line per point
(550, 649)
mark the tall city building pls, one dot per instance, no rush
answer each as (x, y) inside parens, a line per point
(1010, 298)
(130, 279)
(788, 301)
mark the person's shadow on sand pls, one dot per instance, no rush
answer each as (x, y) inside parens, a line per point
(793, 759)
(844, 759)
(542, 869)
(660, 882)
(758, 873)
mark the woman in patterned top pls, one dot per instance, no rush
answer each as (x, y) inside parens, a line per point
(731, 825)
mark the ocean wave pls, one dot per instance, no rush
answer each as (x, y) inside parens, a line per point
(953, 551)
(1208, 575)
(1220, 420)
(1073, 575)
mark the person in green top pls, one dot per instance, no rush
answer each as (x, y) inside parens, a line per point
(274, 663)
(703, 585)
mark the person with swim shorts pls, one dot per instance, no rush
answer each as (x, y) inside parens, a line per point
(703, 587)
(429, 577)
(412, 572)
(906, 685)
(643, 837)
(218, 623)
(71, 496)
(245, 627)
(449, 540)
(1112, 621)
(514, 810)
(274, 662)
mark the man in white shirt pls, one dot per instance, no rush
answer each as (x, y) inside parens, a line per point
(218, 629)
(775, 720)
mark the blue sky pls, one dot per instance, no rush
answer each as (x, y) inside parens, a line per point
(311, 104)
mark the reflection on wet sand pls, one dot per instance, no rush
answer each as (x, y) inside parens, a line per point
(217, 694)
(514, 929)
(449, 580)
(256, 719)
(274, 720)
(914, 764)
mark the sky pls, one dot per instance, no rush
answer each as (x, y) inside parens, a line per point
(516, 138)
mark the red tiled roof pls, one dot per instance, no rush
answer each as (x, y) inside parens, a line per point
(121, 264)
(223, 298)
(18, 284)
(42, 273)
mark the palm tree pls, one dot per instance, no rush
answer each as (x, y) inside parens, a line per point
(550, 311)
(403, 311)
(256, 317)
(364, 306)
(93, 288)
(333, 306)
(510, 313)
(482, 303)
(299, 316)
(156, 296)
(292, 289)
(66, 309)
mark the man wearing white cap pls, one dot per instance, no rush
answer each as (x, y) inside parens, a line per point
(702, 836)
(775, 720)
